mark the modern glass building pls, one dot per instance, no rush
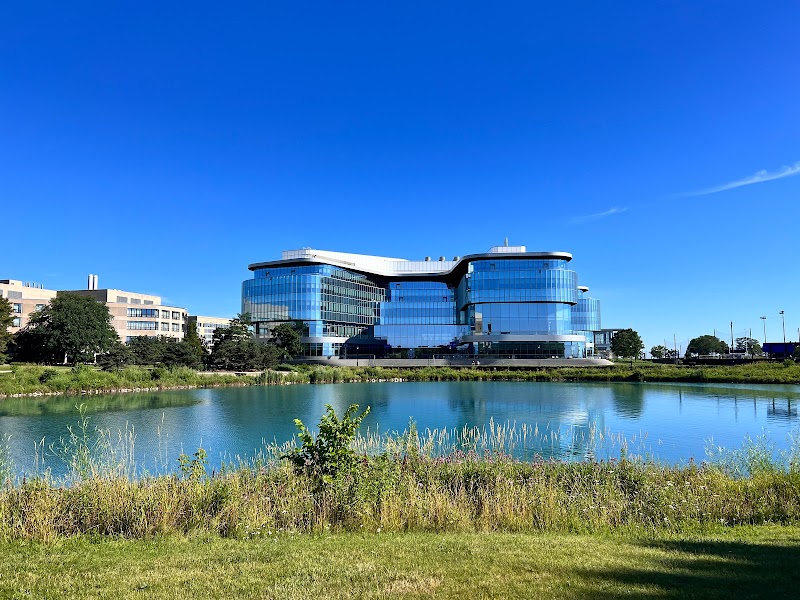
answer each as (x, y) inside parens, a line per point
(504, 302)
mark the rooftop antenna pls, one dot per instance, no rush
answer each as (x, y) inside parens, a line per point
(506, 242)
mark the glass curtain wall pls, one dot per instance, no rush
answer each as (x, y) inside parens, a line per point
(531, 299)
(419, 314)
(326, 300)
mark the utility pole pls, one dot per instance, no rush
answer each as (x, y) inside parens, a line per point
(764, 320)
(731, 350)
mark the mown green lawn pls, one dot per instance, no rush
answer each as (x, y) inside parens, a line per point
(742, 562)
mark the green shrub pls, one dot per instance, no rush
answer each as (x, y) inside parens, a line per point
(193, 468)
(47, 375)
(329, 453)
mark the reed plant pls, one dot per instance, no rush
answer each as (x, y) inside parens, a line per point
(431, 481)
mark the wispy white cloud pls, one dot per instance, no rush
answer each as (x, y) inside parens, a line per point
(758, 177)
(614, 210)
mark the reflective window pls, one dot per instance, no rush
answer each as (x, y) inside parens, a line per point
(143, 325)
(530, 298)
(143, 312)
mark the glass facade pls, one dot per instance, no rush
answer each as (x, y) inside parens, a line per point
(505, 302)
(329, 302)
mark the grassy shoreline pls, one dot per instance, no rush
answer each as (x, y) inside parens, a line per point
(32, 380)
(406, 488)
(405, 521)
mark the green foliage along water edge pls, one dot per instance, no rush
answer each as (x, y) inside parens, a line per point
(22, 379)
(329, 453)
(28, 379)
(409, 482)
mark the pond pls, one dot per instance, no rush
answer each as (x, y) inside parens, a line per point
(669, 422)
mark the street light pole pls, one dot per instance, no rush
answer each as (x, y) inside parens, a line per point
(783, 320)
(764, 319)
(731, 350)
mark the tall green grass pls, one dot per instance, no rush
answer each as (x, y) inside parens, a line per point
(751, 373)
(31, 379)
(462, 481)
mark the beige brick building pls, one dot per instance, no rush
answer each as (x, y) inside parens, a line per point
(207, 325)
(25, 298)
(134, 314)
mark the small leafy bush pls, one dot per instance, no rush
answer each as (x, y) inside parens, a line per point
(329, 453)
(47, 375)
(193, 469)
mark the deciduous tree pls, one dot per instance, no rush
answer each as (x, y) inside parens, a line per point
(73, 328)
(706, 344)
(749, 345)
(286, 337)
(659, 351)
(6, 319)
(627, 344)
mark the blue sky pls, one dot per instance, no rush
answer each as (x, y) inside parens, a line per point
(166, 148)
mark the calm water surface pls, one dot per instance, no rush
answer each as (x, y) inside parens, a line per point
(670, 422)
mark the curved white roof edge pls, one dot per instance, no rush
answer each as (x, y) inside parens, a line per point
(397, 267)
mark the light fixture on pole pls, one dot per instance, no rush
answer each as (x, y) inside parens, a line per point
(764, 319)
(783, 320)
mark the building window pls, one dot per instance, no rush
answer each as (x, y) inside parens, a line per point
(135, 301)
(165, 327)
(14, 295)
(15, 322)
(17, 308)
(143, 312)
(143, 325)
(176, 315)
(176, 327)
(165, 314)
(39, 306)
(122, 299)
(149, 302)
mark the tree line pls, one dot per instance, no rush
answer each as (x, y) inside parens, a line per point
(74, 329)
(627, 344)
(705, 345)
